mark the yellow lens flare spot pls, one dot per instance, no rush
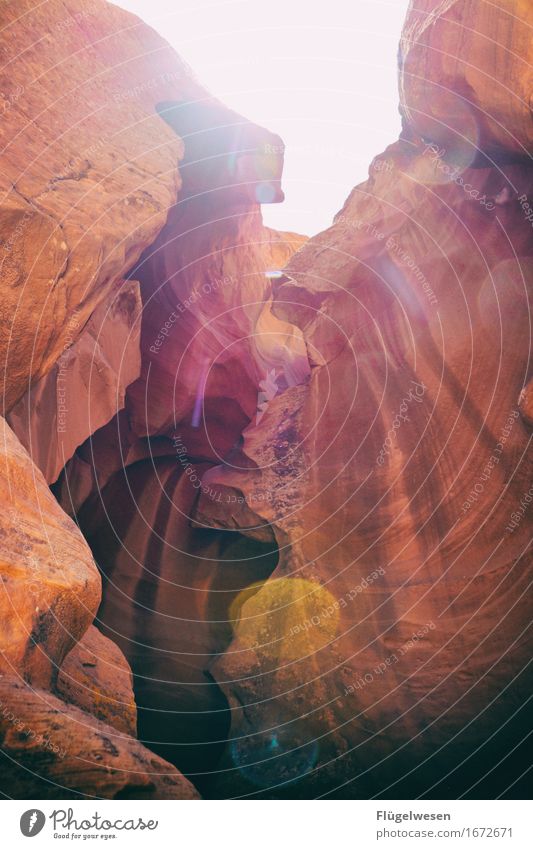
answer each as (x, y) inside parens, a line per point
(285, 619)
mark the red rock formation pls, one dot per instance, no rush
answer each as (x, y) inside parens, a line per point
(466, 76)
(51, 750)
(86, 387)
(168, 591)
(311, 508)
(50, 584)
(88, 167)
(211, 267)
(209, 343)
(96, 677)
(206, 281)
(50, 592)
(87, 188)
(391, 642)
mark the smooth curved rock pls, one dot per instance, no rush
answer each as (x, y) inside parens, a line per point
(96, 677)
(466, 79)
(168, 591)
(51, 750)
(132, 111)
(208, 337)
(86, 388)
(89, 168)
(525, 403)
(50, 583)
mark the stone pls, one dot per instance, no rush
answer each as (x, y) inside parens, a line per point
(96, 677)
(466, 79)
(525, 403)
(52, 750)
(89, 168)
(311, 504)
(50, 583)
(397, 483)
(86, 388)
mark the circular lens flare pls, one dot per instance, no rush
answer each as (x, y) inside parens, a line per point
(285, 619)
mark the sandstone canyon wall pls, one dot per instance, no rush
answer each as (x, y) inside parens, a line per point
(303, 468)
(91, 182)
(388, 653)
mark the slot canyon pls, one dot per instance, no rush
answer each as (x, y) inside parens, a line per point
(266, 504)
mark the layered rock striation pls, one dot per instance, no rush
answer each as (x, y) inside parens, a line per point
(388, 652)
(303, 468)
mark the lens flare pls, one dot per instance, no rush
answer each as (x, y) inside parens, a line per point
(285, 619)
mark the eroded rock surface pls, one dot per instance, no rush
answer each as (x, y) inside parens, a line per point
(466, 76)
(213, 355)
(50, 583)
(96, 677)
(51, 750)
(376, 656)
(197, 345)
(309, 493)
(91, 172)
(88, 168)
(86, 388)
